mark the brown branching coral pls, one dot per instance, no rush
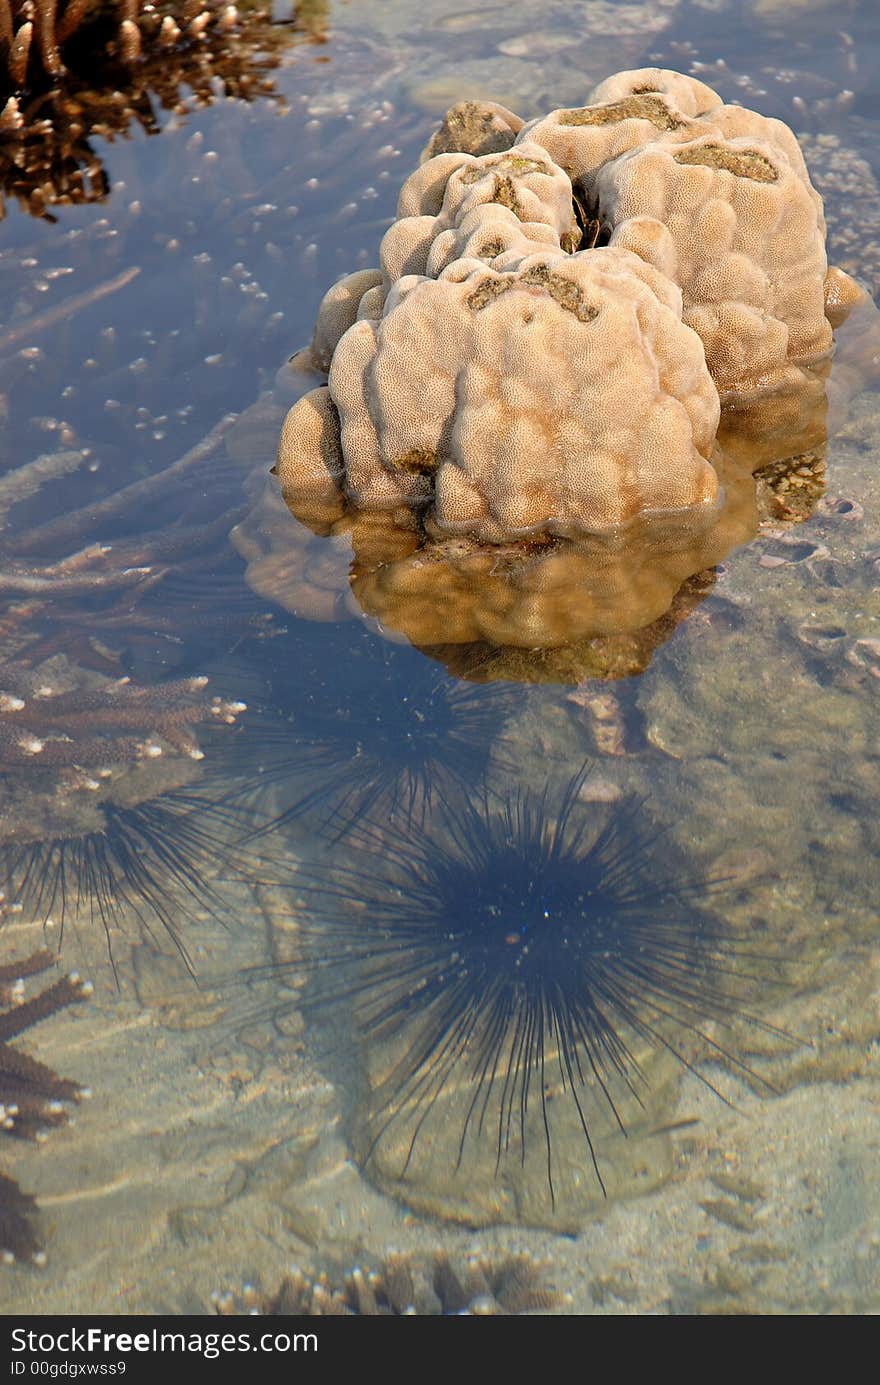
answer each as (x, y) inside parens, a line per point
(404, 1285)
(103, 600)
(48, 717)
(33, 1098)
(42, 41)
(71, 71)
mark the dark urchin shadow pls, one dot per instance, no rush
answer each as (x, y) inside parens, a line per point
(516, 943)
(149, 868)
(393, 738)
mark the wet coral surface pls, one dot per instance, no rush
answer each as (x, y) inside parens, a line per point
(727, 685)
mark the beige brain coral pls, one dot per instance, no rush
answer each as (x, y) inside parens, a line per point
(736, 227)
(562, 394)
(583, 139)
(519, 199)
(455, 205)
(339, 308)
(718, 197)
(635, 108)
(559, 306)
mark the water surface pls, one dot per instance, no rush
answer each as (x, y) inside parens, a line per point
(219, 1145)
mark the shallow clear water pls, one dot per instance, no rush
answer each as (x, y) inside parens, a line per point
(230, 1116)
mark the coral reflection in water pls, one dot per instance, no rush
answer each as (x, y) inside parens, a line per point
(531, 953)
(459, 600)
(553, 608)
(89, 70)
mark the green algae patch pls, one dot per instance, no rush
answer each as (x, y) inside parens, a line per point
(636, 107)
(742, 163)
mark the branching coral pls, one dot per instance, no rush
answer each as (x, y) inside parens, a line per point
(97, 773)
(32, 1097)
(102, 818)
(47, 719)
(70, 71)
(112, 43)
(404, 1285)
(122, 583)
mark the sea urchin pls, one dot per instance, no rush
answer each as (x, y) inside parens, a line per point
(150, 862)
(394, 738)
(513, 975)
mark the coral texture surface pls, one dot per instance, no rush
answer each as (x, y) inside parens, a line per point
(565, 393)
(559, 310)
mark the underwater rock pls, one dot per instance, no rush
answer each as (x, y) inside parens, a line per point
(808, 596)
(851, 197)
(474, 127)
